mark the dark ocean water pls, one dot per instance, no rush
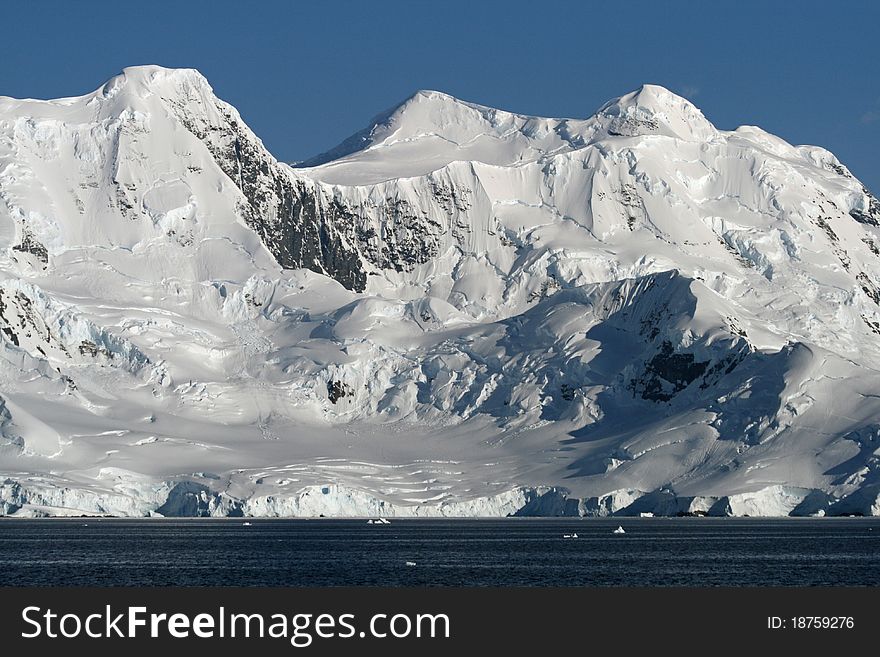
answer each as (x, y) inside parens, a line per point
(509, 552)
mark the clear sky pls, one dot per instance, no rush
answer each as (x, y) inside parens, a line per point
(305, 75)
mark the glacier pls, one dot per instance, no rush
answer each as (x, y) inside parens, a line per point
(459, 311)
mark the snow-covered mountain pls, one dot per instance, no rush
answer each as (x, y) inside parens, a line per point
(458, 311)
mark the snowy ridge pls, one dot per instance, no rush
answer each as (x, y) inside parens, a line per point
(458, 311)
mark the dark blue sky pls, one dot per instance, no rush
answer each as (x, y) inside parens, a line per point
(307, 74)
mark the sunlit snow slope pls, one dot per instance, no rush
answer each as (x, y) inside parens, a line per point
(458, 311)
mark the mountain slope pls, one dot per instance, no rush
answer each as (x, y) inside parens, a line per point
(457, 311)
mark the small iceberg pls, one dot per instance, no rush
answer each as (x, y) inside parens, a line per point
(245, 524)
(619, 530)
(383, 521)
(370, 521)
(410, 563)
(569, 536)
(646, 514)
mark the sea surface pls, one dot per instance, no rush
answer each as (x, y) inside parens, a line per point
(503, 552)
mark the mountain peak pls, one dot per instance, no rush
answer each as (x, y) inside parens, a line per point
(153, 72)
(424, 113)
(427, 110)
(653, 109)
(146, 79)
(432, 95)
(450, 129)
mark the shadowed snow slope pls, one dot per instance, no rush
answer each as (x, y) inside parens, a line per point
(458, 311)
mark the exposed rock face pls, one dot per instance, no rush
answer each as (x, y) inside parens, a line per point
(30, 244)
(299, 225)
(303, 223)
(668, 373)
